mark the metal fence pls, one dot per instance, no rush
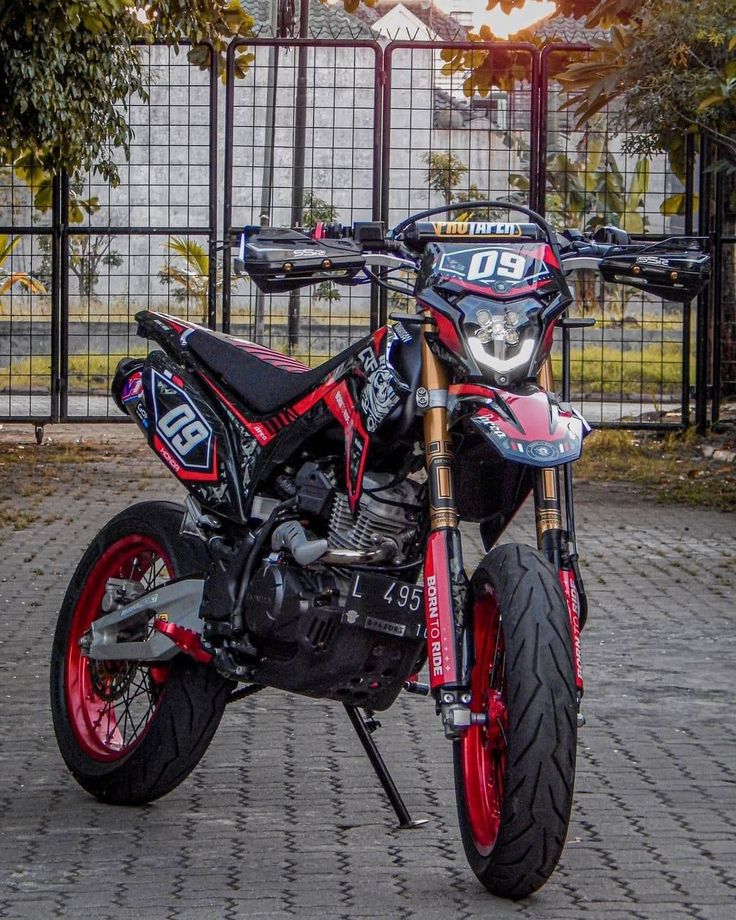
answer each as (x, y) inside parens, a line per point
(337, 130)
(91, 255)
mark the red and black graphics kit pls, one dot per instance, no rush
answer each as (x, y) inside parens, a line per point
(222, 412)
(319, 550)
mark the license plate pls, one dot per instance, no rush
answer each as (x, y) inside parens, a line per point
(385, 605)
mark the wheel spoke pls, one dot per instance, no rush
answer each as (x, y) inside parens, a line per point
(114, 699)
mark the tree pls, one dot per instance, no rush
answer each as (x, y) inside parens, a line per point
(667, 70)
(87, 255)
(68, 67)
(191, 279)
(317, 209)
(444, 172)
(10, 278)
(586, 189)
(672, 72)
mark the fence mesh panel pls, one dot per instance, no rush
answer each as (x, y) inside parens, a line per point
(292, 168)
(145, 243)
(631, 366)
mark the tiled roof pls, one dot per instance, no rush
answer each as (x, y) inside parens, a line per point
(566, 29)
(325, 21)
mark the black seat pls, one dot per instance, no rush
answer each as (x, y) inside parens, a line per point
(265, 380)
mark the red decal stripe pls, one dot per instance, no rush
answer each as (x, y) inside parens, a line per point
(284, 362)
(438, 611)
(471, 389)
(177, 468)
(570, 590)
(341, 405)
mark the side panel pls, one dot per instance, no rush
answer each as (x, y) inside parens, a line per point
(182, 428)
(219, 448)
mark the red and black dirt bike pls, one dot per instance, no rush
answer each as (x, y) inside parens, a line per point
(319, 550)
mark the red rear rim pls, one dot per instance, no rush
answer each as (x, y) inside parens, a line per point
(484, 746)
(111, 703)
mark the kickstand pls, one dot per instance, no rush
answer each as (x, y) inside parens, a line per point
(406, 822)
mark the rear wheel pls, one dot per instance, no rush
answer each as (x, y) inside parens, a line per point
(514, 774)
(130, 732)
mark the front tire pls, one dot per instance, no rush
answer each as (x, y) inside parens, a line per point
(514, 775)
(129, 733)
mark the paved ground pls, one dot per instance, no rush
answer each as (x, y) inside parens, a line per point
(283, 818)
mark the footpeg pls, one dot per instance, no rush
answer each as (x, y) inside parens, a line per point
(186, 640)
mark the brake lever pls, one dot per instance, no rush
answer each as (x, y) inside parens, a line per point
(383, 260)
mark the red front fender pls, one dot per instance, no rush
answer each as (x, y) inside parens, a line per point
(528, 426)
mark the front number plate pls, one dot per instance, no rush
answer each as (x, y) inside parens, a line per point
(385, 605)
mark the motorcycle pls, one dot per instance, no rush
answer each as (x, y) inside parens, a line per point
(319, 550)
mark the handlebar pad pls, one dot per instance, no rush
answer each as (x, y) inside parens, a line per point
(417, 235)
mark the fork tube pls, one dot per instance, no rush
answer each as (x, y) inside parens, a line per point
(547, 506)
(445, 582)
(552, 539)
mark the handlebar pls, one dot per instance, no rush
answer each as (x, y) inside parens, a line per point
(281, 259)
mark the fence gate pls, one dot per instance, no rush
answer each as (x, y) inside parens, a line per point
(336, 130)
(302, 143)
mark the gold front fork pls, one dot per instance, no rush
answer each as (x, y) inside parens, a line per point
(437, 444)
(547, 508)
(446, 589)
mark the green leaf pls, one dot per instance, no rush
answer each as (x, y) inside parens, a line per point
(713, 99)
(674, 206)
(44, 198)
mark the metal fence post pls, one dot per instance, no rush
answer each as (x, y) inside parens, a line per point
(687, 308)
(717, 302)
(212, 212)
(227, 205)
(56, 320)
(701, 343)
(63, 281)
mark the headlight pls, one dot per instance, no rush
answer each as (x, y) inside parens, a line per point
(502, 337)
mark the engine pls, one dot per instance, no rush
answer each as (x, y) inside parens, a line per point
(385, 512)
(349, 635)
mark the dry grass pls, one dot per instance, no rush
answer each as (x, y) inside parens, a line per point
(31, 475)
(666, 467)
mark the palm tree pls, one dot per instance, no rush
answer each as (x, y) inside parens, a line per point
(9, 278)
(192, 279)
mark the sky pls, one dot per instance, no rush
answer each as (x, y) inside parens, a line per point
(499, 22)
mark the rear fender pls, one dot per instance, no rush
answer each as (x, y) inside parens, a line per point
(528, 426)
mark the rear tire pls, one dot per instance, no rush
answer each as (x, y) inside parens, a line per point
(130, 733)
(514, 776)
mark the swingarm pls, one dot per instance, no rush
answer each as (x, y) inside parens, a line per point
(152, 627)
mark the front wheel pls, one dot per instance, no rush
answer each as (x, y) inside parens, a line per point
(514, 773)
(131, 732)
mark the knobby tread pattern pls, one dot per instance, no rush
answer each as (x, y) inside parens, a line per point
(194, 696)
(542, 731)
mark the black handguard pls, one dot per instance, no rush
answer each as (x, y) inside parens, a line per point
(676, 269)
(281, 259)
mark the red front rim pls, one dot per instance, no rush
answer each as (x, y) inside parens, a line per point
(111, 704)
(484, 746)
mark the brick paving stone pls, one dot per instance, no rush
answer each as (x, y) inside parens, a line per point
(283, 818)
